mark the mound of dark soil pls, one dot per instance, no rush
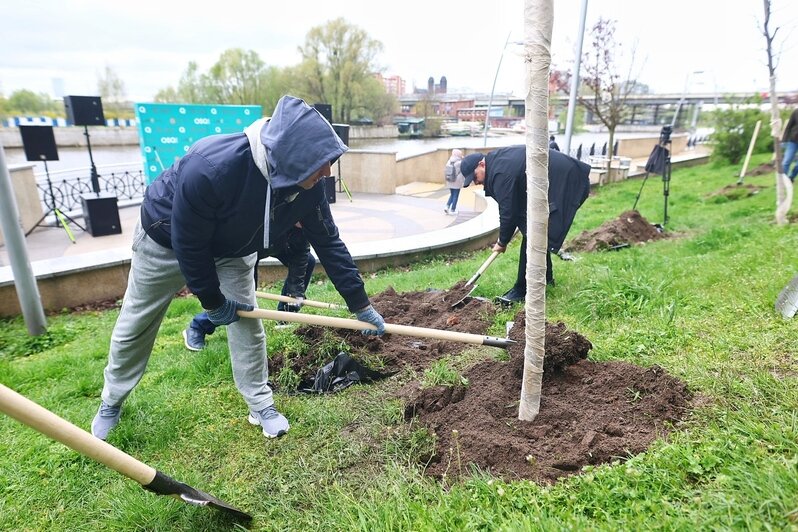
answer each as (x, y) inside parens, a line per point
(590, 413)
(629, 228)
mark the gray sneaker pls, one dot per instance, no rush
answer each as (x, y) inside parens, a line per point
(272, 422)
(107, 418)
(193, 339)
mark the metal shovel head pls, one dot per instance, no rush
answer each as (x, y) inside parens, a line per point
(459, 295)
(165, 485)
(787, 302)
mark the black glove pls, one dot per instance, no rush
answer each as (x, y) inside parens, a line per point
(290, 307)
(227, 313)
(369, 315)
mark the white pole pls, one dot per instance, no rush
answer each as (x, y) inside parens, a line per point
(569, 121)
(24, 280)
(490, 100)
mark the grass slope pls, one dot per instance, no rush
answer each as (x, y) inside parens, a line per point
(700, 305)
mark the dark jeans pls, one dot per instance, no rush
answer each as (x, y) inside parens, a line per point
(520, 280)
(204, 324)
(454, 194)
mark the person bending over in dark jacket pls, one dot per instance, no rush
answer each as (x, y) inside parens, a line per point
(203, 221)
(503, 172)
(294, 253)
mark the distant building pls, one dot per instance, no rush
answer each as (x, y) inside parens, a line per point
(432, 88)
(393, 84)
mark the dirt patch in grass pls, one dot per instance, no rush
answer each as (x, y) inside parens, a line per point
(762, 169)
(629, 228)
(591, 413)
(735, 192)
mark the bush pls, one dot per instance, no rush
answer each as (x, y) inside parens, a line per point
(733, 131)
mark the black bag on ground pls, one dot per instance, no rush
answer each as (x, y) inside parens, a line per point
(341, 373)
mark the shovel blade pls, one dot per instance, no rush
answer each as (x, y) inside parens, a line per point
(467, 290)
(166, 485)
(787, 301)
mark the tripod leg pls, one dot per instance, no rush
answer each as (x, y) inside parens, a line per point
(346, 189)
(634, 207)
(70, 219)
(37, 224)
(61, 218)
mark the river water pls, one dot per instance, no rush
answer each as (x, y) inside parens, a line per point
(120, 158)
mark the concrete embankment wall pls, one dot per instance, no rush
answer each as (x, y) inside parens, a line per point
(71, 137)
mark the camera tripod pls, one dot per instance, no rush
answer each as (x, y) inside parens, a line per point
(659, 162)
(53, 209)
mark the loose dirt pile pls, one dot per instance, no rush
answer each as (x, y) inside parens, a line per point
(629, 228)
(590, 413)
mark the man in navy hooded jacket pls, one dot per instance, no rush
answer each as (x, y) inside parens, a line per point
(203, 221)
(503, 172)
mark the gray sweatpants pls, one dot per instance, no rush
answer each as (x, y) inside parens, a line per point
(152, 283)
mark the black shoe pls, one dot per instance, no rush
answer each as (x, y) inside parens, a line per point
(512, 296)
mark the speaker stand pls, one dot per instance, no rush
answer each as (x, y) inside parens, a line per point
(342, 183)
(60, 216)
(95, 178)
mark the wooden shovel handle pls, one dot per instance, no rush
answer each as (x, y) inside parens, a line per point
(42, 420)
(482, 268)
(406, 330)
(294, 301)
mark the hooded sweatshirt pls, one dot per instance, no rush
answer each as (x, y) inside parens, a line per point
(212, 203)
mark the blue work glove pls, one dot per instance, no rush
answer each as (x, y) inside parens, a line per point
(369, 315)
(227, 313)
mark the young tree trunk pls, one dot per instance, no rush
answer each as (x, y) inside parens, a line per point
(538, 21)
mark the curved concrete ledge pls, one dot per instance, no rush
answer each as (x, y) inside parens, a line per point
(75, 280)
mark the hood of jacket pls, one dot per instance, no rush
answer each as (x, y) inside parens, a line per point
(296, 142)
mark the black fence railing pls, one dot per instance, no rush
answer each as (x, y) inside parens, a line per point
(127, 185)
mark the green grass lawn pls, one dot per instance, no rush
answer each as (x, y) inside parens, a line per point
(700, 305)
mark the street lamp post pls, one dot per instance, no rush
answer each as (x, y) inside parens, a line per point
(569, 120)
(684, 95)
(490, 100)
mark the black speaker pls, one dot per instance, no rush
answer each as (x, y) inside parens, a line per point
(101, 214)
(342, 130)
(39, 143)
(329, 188)
(84, 110)
(325, 109)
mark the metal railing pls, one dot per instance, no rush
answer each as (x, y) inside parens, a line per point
(126, 181)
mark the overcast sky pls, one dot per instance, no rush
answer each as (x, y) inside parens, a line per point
(149, 44)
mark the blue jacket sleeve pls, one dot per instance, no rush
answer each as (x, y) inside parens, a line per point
(322, 233)
(193, 225)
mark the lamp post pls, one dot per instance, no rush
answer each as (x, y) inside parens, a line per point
(569, 120)
(684, 95)
(490, 100)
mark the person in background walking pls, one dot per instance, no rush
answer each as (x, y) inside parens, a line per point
(553, 143)
(454, 181)
(790, 140)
